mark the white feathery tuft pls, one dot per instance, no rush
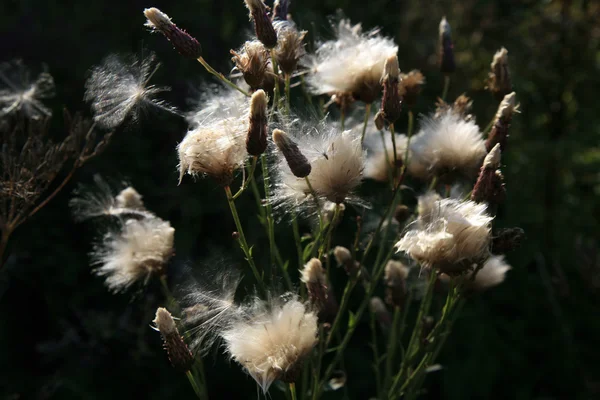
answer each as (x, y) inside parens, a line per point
(491, 274)
(19, 94)
(380, 155)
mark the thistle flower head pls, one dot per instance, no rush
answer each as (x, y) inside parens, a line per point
(183, 42)
(410, 87)
(140, 249)
(499, 82)
(491, 274)
(19, 94)
(446, 48)
(272, 339)
(290, 46)
(263, 26)
(253, 61)
(336, 160)
(118, 89)
(179, 354)
(215, 146)
(446, 146)
(456, 234)
(353, 63)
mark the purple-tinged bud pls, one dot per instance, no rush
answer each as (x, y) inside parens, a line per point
(297, 162)
(179, 354)
(256, 140)
(446, 48)
(263, 27)
(183, 42)
(489, 187)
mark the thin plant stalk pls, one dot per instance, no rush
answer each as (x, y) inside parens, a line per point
(269, 209)
(242, 240)
(366, 122)
(287, 93)
(375, 348)
(221, 77)
(276, 72)
(446, 86)
(395, 153)
(391, 348)
(292, 387)
(247, 180)
(343, 118)
(306, 94)
(199, 393)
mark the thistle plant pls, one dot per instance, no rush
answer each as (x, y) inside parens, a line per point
(290, 320)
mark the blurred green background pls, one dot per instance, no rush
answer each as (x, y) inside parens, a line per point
(537, 336)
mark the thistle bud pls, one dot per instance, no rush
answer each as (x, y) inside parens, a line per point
(382, 315)
(489, 187)
(402, 213)
(499, 82)
(179, 354)
(391, 103)
(313, 276)
(506, 240)
(344, 258)
(297, 162)
(256, 140)
(446, 48)
(280, 10)
(395, 282)
(410, 87)
(183, 42)
(499, 132)
(263, 27)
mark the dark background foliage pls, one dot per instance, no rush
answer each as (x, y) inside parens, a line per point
(537, 336)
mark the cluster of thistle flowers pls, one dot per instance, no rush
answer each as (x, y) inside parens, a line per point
(312, 168)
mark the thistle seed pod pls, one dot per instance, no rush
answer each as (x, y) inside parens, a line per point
(446, 48)
(256, 141)
(263, 27)
(297, 162)
(183, 42)
(179, 354)
(391, 103)
(499, 132)
(252, 60)
(489, 187)
(499, 82)
(410, 87)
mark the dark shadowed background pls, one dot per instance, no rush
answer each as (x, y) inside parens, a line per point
(537, 336)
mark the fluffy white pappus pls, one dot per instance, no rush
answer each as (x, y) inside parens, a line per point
(491, 274)
(215, 146)
(141, 249)
(352, 63)
(18, 93)
(210, 308)
(337, 162)
(446, 146)
(451, 237)
(118, 89)
(380, 155)
(101, 200)
(273, 339)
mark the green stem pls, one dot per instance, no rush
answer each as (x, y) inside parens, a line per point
(269, 210)
(343, 118)
(375, 348)
(292, 387)
(276, 72)
(199, 392)
(391, 349)
(306, 94)
(394, 167)
(221, 76)
(248, 180)
(242, 240)
(446, 86)
(287, 93)
(365, 122)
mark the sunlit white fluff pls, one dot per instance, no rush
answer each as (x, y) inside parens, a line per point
(380, 155)
(19, 94)
(352, 63)
(491, 274)
(119, 89)
(215, 146)
(337, 161)
(134, 253)
(446, 146)
(450, 236)
(272, 339)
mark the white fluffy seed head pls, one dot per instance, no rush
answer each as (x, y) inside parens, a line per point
(313, 272)
(454, 235)
(118, 89)
(491, 274)
(353, 63)
(446, 146)
(139, 250)
(395, 273)
(19, 94)
(215, 146)
(380, 155)
(272, 340)
(337, 162)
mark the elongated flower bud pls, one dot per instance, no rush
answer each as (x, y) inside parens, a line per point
(183, 42)
(263, 27)
(395, 281)
(297, 162)
(391, 103)
(446, 48)
(179, 354)
(489, 187)
(499, 82)
(280, 10)
(344, 258)
(499, 132)
(382, 315)
(319, 293)
(256, 141)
